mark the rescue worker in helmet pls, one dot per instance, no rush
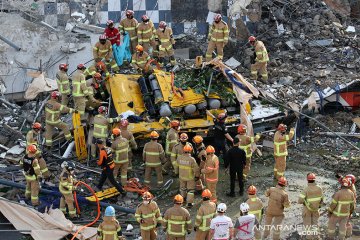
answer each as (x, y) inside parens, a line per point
(146, 35)
(102, 51)
(62, 80)
(259, 60)
(164, 42)
(66, 188)
(205, 213)
(130, 25)
(139, 60)
(110, 228)
(218, 37)
(112, 33)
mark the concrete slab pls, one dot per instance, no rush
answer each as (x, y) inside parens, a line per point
(183, 53)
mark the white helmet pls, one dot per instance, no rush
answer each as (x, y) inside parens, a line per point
(244, 207)
(221, 208)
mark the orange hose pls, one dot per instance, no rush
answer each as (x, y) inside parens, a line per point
(78, 209)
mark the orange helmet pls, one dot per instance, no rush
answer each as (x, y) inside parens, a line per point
(100, 66)
(282, 181)
(32, 148)
(184, 137)
(282, 127)
(252, 39)
(116, 132)
(198, 139)
(222, 116)
(351, 177)
(174, 123)
(242, 128)
(139, 48)
(206, 194)
(97, 76)
(178, 199)
(36, 126)
(154, 135)
(210, 149)
(311, 176)
(345, 182)
(147, 196)
(187, 148)
(251, 190)
(124, 123)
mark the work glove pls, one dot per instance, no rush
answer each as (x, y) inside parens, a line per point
(209, 38)
(195, 229)
(337, 175)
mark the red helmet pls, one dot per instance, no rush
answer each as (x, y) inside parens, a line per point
(102, 109)
(311, 176)
(174, 123)
(252, 190)
(63, 66)
(252, 39)
(32, 148)
(282, 127)
(55, 95)
(222, 116)
(162, 24)
(36, 126)
(351, 177)
(109, 22)
(129, 13)
(210, 149)
(217, 17)
(97, 76)
(346, 182)
(242, 129)
(102, 37)
(124, 122)
(145, 18)
(81, 66)
(282, 181)
(184, 137)
(100, 66)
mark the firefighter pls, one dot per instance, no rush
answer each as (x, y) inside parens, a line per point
(124, 123)
(100, 90)
(177, 220)
(280, 149)
(53, 109)
(340, 209)
(312, 198)
(146, 35)
(107, 164)
(349, 226)
(211, 171)
(245, 144)
(261, 58)
(112, 33)
(101, 127)
(62, 80)
(130, 25)
(200, 157)
(188, 171)
(139, 59)
(165, 41)
(66, 187)
(245, 225)
(32, 174)
(102, 51)
(153, 156)
(99, 67)
(278, 200)
(221, 227)
(148, 216)
(172, 138)
(92, 102)
(120, 147)
(80, 90)
(235, 159)
(218, 37)
(256, 207)
(178, 148)
(110, 228)
(204, 215)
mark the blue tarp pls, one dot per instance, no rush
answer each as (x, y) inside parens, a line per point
(122, 53)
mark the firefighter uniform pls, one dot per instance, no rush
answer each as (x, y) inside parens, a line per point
(340, 209)
(280, 152)
(148, 215)
(188, 170)
(204, 215)
(139, 60)
(177, 151)
(146, 37)
(278, 200)
(200, 158)
(101, 129)
(261, 60)
(53, 109)
(32, 176)
(177, 222)
(79, 91)
(132, 144)
(130, 26)
(312, 197)
(62, 80)
(211, 171)
(32, 137)
(104, 51)
(90, 71)
(120, 147)
(66, 187)
(256, 207)
(245, 144)
(109, 229)
(166, 41)
(172, 138)
(218, 38)
(91, 103)
(153, 156)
